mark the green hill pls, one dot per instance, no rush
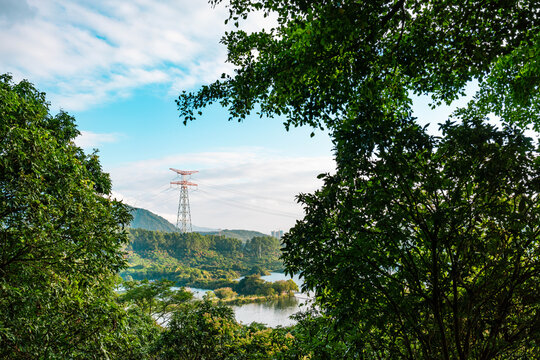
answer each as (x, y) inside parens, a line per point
(147, 220)
(144, 219)
(193, 259)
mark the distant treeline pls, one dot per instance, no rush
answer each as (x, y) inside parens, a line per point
(243, 235)
(195, 259)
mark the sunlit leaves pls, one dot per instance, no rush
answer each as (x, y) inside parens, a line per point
(322, 58)
(417, 247)
(60, 236)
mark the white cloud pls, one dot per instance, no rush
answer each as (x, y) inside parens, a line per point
(89, 140)
(246, 188)
(89, 52)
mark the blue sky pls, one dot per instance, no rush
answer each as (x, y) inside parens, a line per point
(117, 66)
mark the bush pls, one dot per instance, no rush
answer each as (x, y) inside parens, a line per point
(225, 293)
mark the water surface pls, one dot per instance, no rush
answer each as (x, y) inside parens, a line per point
(272, 313)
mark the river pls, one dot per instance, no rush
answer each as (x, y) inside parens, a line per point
(272, 313)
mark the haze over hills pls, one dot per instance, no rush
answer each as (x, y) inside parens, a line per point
(147, 220)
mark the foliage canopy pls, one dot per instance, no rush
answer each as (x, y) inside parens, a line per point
(433, 249)
(418, 246)
(203, 330)
(326, 59)
(60, 237)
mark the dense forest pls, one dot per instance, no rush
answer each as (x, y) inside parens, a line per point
(243, 235)
(192, 259)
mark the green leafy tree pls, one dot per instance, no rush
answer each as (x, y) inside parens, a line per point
(252, 285)
(433, 249)
(203, 330)
(417, 247)
(228, 245)
(156, 298)
(60, 238)
(315, 337)
(258, 270)
(284, 286)
(199, 330)
(256, 341)
(325, 61)
(225, 293)
(262, 246)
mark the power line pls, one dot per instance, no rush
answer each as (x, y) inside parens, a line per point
(237, 192)
(184, 214)
(255, 208)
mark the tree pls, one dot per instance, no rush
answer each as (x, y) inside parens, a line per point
(314, 337)
(251, 285)
(225, 293)
(325, 61)
(351, 66)
(60, 237)
(203, 330)
(417, 247)
(432, 250)
(199, 330)
(156, 298)
(262, 246)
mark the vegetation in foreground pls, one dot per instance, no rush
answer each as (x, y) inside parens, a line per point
(61, 238)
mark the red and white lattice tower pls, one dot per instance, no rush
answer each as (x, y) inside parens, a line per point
(183, 220)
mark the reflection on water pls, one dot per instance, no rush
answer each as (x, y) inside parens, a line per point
(272, 313)
(198, 293)
(283, 303)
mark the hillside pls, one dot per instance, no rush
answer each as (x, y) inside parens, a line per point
(147, 220)
(144, 219)
(192, 259)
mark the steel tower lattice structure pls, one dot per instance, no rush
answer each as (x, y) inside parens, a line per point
(183, 219)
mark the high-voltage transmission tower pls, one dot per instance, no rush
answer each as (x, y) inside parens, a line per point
(183, 220)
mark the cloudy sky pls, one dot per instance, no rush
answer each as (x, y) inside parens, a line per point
(117, 66)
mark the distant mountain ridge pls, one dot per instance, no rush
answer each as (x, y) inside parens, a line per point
(147, 220)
